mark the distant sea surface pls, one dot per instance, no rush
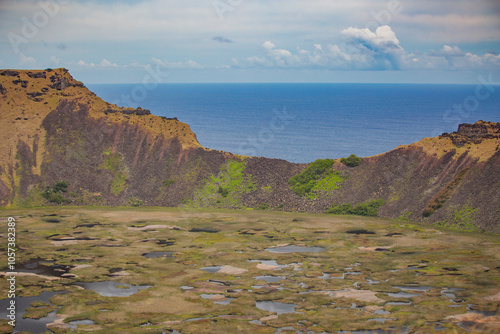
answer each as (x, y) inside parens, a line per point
(305, 122)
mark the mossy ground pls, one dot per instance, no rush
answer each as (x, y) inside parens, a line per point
(397, 254)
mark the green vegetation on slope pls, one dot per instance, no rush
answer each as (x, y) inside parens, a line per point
(364, 209)
(54, 194)
(224, 190)
(319, 176)
(113, 163)
(351, 161)
(461, 219)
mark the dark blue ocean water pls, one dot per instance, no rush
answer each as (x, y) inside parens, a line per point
(305, 122)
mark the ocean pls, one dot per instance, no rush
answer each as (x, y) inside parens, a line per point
(304, 122)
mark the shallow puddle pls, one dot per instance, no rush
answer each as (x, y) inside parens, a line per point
(157, 254)
(212, 269)
(398, 303)
(275, 307)
(27, 324)
(381, 320)
(401, 294)
(44, 267)
(271, 263)
(74, 324)
(204, 230)
(113, 289)
(270, 278)
(412, 288)
(359, 232)
(224, 301)
(295, 249)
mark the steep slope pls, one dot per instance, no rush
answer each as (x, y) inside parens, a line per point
(53, 129)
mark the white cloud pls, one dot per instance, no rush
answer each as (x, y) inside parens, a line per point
(190, 64)
(26, 60)
(85, 64)
(107, 63)
(55, 60)
(364, 49)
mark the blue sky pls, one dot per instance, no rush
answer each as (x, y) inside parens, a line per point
(436, 41)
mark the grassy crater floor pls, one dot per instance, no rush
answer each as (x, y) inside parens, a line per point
(374, 274)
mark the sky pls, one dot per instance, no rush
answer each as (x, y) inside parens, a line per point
(172, 41)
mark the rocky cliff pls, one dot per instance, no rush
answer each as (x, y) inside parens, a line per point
(61, 144)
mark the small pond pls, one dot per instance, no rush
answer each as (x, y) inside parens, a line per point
(29, 325)
(295, 249)
(273, 263)
(275, 307)
(269, 278)
(113, 289)
(402, 294)
(225, 301)
(74, 324)
(212, 269)
(412, 288)
(157, 254)
(44, 267)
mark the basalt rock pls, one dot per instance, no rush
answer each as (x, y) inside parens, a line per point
(474, 133)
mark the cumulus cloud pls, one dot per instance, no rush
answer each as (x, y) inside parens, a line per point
(190, 64)
(107, 63)
(55, 60)
(85, 64)
(363, 49)
(26, 60)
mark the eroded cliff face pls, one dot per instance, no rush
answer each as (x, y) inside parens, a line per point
(54, 129)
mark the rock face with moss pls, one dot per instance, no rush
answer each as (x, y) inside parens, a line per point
(54, 131)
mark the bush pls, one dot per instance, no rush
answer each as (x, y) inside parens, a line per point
(53, 194)
(369, 209)
(263, 206)
(352, 161)
(168, 182)
(61, 186)
(135, 202)
(223, 191)
(304, 182)
(405, 217)
(57, 198)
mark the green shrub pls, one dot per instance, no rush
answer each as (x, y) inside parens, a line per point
(168, 182)
(134, 201)
(47, 192)
(57, 198)
(405, 217)
(223, 191)
(53, 194)
(61, 186)
(352, 161)
(318, 176)
(363, 209)
(263, 206)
